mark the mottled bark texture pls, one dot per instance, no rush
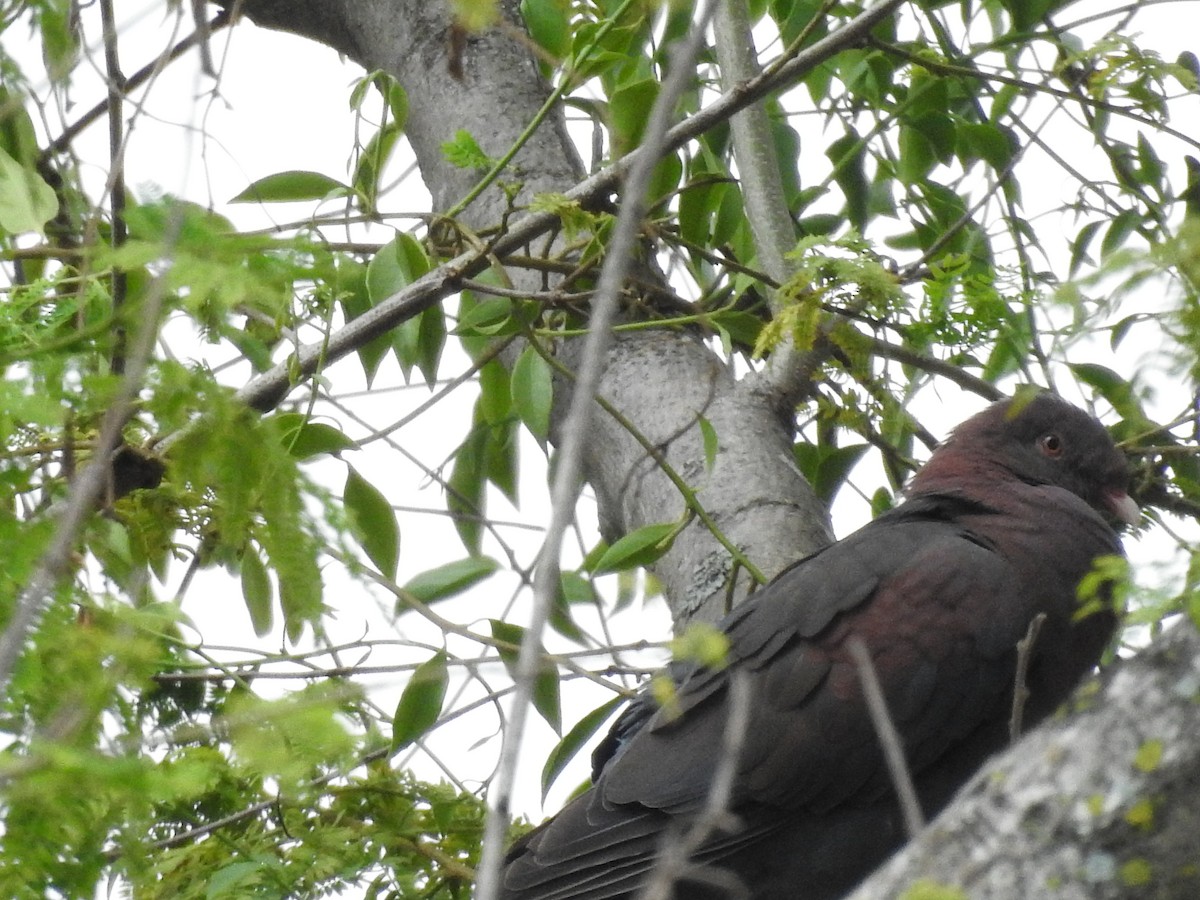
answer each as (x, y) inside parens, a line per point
(662, 381)
(1100, 804)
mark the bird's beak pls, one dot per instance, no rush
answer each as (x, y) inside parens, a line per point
(1121, 505)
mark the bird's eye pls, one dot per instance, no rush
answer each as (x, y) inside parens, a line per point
(1051, 445)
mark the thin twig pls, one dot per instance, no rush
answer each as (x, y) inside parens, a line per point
(136, 80)
(1020, 683)
(889, 738)
(116, 181)
(674, 856)
(947, 370)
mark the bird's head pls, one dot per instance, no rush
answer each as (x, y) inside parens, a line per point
(1037, 439)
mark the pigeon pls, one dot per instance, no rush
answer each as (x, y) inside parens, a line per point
(1006, 523)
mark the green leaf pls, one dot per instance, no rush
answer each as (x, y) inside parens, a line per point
(1119, 230)
(431, 340)
(465, 152)
(291, 187)
(373, 521)
(421, 702)
(628, 107)
(545, 686)
(665, 179)
(917, 155)
(235, 876)
(1150, 167)
(1027, 14)
(450, 579)
(396, 265)
(1113, 388)
(465, 498)
(399, 263)
(826, 467)
(486, 317)
(494, 405)
(984, 141)
(549, 24)
(711, 445)
(1079, 247)
(501, 464)
(533, 392)
(349, 280)
(305, 438)
(574, 740)
(371, 164)
(26, 201)
(848, 155)
(256, 590)
(572, 588)
(638, 548)
(60, 38)
(1192, 605)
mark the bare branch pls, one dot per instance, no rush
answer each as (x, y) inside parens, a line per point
(677, 848)
(1020, 687)
(889, 738)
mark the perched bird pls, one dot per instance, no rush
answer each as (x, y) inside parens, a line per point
(1002, 523)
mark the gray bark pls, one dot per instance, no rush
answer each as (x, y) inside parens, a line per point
(1100, 804)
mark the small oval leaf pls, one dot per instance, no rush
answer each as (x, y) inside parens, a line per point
(565, 750)
(256, 591)
(290, 187)
(305, 438)
(373, 521)
(421, 702)
(546, 698)
(533, 392)
(711, 443)
(450, 579)
(638, 548)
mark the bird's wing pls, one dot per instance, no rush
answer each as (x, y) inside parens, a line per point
(938, 610)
